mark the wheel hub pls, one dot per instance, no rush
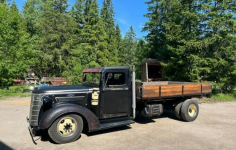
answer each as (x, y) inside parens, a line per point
(192, 110)
(66, 126)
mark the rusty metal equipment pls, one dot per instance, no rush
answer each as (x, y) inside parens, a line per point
(151, 70)
(54, 80)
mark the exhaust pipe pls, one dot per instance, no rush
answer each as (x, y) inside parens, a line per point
(133, 93)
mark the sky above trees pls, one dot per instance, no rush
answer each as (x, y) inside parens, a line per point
(127, 13)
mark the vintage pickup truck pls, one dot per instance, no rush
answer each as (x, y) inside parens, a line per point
(109, 97)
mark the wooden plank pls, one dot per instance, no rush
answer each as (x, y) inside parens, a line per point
(191, 89)
(150, 91)
(206, 88)
(171, 90)
(156, 83)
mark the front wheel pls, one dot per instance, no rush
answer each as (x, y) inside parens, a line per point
(66, 129)
(189, 110)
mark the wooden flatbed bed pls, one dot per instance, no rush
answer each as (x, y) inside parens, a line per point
(169, 89)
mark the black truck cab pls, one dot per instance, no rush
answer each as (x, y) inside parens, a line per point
(104, 100)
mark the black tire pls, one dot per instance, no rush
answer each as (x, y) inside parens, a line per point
(189, 110)
(69, 124)
(178, 110)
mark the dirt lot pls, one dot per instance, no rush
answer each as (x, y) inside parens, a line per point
(215, 128)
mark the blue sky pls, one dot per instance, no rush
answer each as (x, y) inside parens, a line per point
(127, 13)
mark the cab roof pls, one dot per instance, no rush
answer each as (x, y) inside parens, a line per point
(101, 69)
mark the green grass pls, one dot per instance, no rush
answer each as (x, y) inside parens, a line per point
(224, 97)
(14, 91)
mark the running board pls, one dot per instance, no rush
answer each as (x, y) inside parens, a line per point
(115, 124)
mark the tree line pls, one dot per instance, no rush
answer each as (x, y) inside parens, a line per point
(194, 39)
(56, 39)
(197, 39)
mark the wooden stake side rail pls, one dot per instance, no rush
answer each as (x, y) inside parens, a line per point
(168, 89)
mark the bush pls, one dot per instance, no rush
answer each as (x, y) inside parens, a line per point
(224, 97)
(12, 91)
(17, 89)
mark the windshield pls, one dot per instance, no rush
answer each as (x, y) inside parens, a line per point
(91, 77)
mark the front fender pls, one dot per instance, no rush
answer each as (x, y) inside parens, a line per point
(52, 114)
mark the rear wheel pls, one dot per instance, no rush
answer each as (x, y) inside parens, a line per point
(178, 110)
(189, 110)
(66, 129)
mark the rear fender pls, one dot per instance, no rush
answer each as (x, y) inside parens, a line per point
(52, 114)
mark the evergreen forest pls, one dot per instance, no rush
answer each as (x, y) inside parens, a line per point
(194, 39)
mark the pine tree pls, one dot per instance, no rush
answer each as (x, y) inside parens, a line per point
(55, 32)
(4, 9)
(31, 15)
(130, 47)
(94, 47)
(183, 41)
(15, 50)
(155, 37)
(195, 38)
(107, 18)
(118, 43)
(78, 13)
(4, 1)
(31, 11)
(219, 39)
(140, 54)
(176, 37)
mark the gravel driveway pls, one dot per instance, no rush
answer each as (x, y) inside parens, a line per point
(215, 128)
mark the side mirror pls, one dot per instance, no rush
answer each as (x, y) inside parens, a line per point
(46, 100)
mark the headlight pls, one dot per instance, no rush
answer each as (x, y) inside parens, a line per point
(31, 88)
(46, 100)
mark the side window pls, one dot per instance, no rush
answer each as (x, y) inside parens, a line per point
(115, 79)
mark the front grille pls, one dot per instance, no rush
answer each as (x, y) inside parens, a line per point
(35, 107)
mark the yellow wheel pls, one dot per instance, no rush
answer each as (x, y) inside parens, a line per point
(66, 128)
(192, 110)
(189, 110)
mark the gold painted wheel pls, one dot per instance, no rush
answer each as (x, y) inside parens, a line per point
(66, 126)
(192, 110)
(189, 110)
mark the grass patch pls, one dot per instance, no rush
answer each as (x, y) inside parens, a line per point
(27, 94)
(224, 97)
(14, 91)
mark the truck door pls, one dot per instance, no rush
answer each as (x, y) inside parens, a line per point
(116, 94)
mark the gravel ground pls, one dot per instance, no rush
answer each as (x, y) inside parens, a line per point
(215, 128)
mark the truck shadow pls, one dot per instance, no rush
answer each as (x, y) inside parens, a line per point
(3, 146)
(139, 119)
(45, 137)
(144, 120)
(116, 129)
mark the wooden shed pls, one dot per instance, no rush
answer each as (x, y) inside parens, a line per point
(151, 70)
